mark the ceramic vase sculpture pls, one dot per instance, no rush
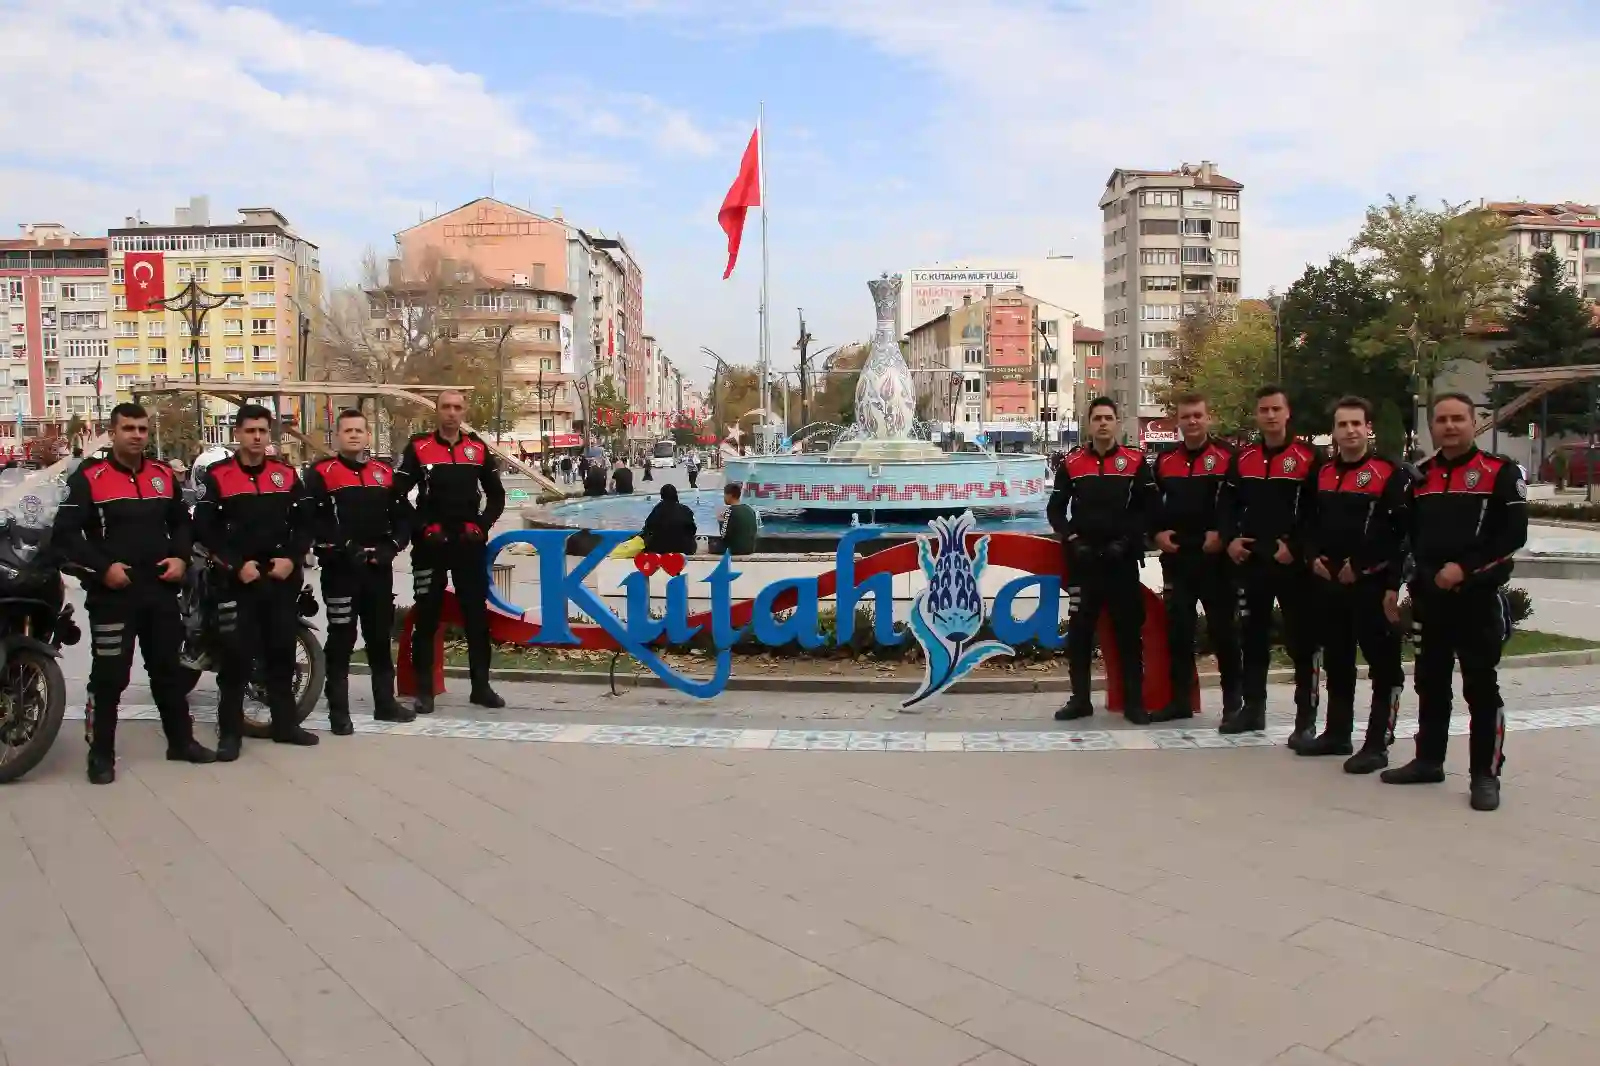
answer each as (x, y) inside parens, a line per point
(886, 399)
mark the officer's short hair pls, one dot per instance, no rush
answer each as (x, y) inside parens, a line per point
(1459, 397)
(130, 411)
(251, 412)
(1102, 401)
(1188, 399)
(1352, 403)
(349, 412)
(1271, 390)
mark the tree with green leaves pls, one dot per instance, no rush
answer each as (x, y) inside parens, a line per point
(1323, 325)
(1551, 325)
(1441, 271)
(609, 410)
(1225, 358)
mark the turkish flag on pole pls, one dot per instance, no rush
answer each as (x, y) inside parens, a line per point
(146, 279)
(743, 194)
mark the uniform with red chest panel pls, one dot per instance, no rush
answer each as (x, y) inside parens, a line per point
(252, 514)
(1107, 495)
(1192, 490)
(1468, 511)
(1271, 491)
(356, 503)
(116, 515)
(457, 484)
(1360, 518)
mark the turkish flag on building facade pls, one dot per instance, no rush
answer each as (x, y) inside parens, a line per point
(743, 194)
(145, 276)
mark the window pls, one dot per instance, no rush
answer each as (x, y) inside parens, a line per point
(120, 302)
(183, 328)
(47, 341)
(1228, 285)
(381, 333)
(973, 356)
(265, 375)
(1228, 257)
(1159, 198)
(1158, 256)
(232, 272)
(127, 357)
(125, 381)
(1094, 373)
(262, 272)
(1229, 230)
(232, 327)
(233, 354)
(127, 329)
(1228, 201)
(264, 353)
(47, 290)
(1160, 313)
(117, 276)
(1542, 240)
(263, 299)
(1160, 284)
(155, 328)
(1572, 270)
(1199, 255)
(14, 288)
(261, 325)
(1197, 227)
(83, 320)
(1196, 284)
(1592, 240)
(186, 273)
(1158, 340)
(973, 385)
(87, 349)
(1200, 198)
(83, 290)
(1158, 227)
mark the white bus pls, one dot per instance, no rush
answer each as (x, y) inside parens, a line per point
(664, 455)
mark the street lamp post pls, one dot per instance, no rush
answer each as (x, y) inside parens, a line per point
(194, 304)
(1419, 340)
(500, 383)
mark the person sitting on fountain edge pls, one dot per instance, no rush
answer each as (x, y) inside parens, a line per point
(1108, 487)
(670, 525)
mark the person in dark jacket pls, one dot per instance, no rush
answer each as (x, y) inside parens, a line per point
(669, 526)
(1356, 541)
(1274, 480)
(124, 530)
(251, 517)
(1107, 486)
(1192, 501)
(1469, 516)
(622, 480)
(594, 480)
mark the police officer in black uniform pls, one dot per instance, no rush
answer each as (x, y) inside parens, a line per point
(124, 530)
(459, 498)
(1468, 518)
(1356, 540)
(360, 523)
(251, 517)
(1107, 486)
(1193, 498)
(1273, 483)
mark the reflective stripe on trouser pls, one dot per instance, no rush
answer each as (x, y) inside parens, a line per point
(116, 620)
(1112, 586)
(257, 624)
(1189, 579)
(1261, 584)
(1469, 623)
(466, 565)
(1350, 617)
(364, 594)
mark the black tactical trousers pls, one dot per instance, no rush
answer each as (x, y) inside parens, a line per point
(146, 610)
(1096, 583)
(464, 563)
(1468, 624)
(358, 592)
(1263, 582)
(256, 623)
(1189, 579)
(1351, 617)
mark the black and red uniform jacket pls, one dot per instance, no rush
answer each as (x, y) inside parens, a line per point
(116, 515)
(1273, 489)
(1361, 517)
(1102, 500)
(252, 514)
(1470, 511)
(456, 483)
(356, 503)
(1193, 492)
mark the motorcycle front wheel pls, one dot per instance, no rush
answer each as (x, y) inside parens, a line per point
(33, 699)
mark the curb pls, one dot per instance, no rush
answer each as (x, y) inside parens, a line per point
(1053, 682)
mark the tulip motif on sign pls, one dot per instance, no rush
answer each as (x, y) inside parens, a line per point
(947, 615)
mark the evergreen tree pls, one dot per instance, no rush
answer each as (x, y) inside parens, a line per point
(1551, 325)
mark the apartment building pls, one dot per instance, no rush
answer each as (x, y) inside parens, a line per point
(272, 278)
(980, 368)
(1089, 381)
(663, 392)
(54, 316)
(1571, 230)
(1171, 242)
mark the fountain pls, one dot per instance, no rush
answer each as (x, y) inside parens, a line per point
(882, 467)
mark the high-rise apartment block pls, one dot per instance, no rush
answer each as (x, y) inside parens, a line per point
(1570, 230)
(1171, 242)
(54, 307)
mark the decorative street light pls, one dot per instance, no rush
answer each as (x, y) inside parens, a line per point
(194, 304)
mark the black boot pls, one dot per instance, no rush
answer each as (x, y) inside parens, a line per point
(484, 696)
(1305, 729)
(1252, 718)
(1326, 744)
(424, 704)
(388, 710)
(228, 745)
(1231, 701)
(191, 752)
(102, 768)
(1134, 714)
(338, 692)
(300, 738)
(1172, 712)
(1485, 793)
(1367, 761)
(1075, 708)
(1415, 772)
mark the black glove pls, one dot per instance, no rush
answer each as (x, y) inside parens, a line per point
(355, 552)
(1114, 551)
(383, 554)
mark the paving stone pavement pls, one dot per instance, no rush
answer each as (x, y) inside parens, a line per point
(447, 900)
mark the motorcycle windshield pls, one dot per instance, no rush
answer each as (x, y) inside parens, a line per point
(30, 499)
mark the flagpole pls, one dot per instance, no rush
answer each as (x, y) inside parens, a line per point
(766, 335)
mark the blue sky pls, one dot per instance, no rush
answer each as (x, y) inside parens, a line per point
(899, 131)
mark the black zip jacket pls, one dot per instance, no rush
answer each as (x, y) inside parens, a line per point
(116, 515)
(252, 514)
(1471, 511)
(1194, 493)
(356, 503)
(456, 483)
(1273, 491)
(1361, 517)
(1109, 496)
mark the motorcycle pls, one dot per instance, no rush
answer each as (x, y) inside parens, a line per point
(200, 653)
(35, 621)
